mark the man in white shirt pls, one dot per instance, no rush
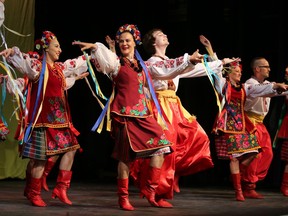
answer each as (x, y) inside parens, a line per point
(257, 109)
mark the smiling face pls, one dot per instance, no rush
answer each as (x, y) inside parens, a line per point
(235, 74)
(53, 51)
(127, 44)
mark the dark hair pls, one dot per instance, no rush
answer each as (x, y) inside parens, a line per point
(252, 64)
(149, 40)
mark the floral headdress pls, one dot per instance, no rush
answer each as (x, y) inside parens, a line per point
(133, 29)
(45, 40)
(235, 64)
(228, 67)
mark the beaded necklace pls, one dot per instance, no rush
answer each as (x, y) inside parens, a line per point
(134, 64)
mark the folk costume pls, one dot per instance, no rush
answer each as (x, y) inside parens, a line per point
(256, 109)
(136, 132)
(234, 132)
(54, 124)
(45, 128)
(130, 111)
(191, 144)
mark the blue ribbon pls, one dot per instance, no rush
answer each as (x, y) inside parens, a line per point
(151, 88)
(40, 87)
(2, 102)
(90, 69)
(211, 73)
(102, 115)
(97, 123)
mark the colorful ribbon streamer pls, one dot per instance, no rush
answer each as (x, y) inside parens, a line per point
(91, 71)
(211, 74)
(41, 87)
(14, 87)
(2, 102)
(151, 88)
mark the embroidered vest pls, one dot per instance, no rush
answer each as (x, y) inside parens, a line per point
(130, 97)
(54, 111)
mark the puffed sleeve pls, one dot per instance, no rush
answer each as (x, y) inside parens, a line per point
(70, 81)
(24, 64)
(72, 68)
(105, 60)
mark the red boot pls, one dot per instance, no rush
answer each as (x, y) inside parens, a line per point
(34, 192)
(48, 167)
(176, 183)
(62, 185)
(123, 194)
(284, 185)
(27, 186)
(149, 190)
(250, 192)
(162, 203)
(236, 178)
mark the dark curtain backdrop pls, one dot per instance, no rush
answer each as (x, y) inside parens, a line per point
(235, 28)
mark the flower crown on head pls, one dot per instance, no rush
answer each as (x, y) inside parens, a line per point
(45, 40)
(133, 29)
(235, 64)
(228, 67)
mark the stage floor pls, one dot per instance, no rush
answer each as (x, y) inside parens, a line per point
(101, 199)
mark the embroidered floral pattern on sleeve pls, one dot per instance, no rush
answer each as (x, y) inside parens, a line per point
(169, 63)
(35, 63)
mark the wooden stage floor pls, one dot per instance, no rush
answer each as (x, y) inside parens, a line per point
(101, 199)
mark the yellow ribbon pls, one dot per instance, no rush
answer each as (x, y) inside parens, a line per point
(214, 89)
(108, 115)
(17, 92)
(15, 32)
(45, 81)
(98, 100)
(98, 90)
